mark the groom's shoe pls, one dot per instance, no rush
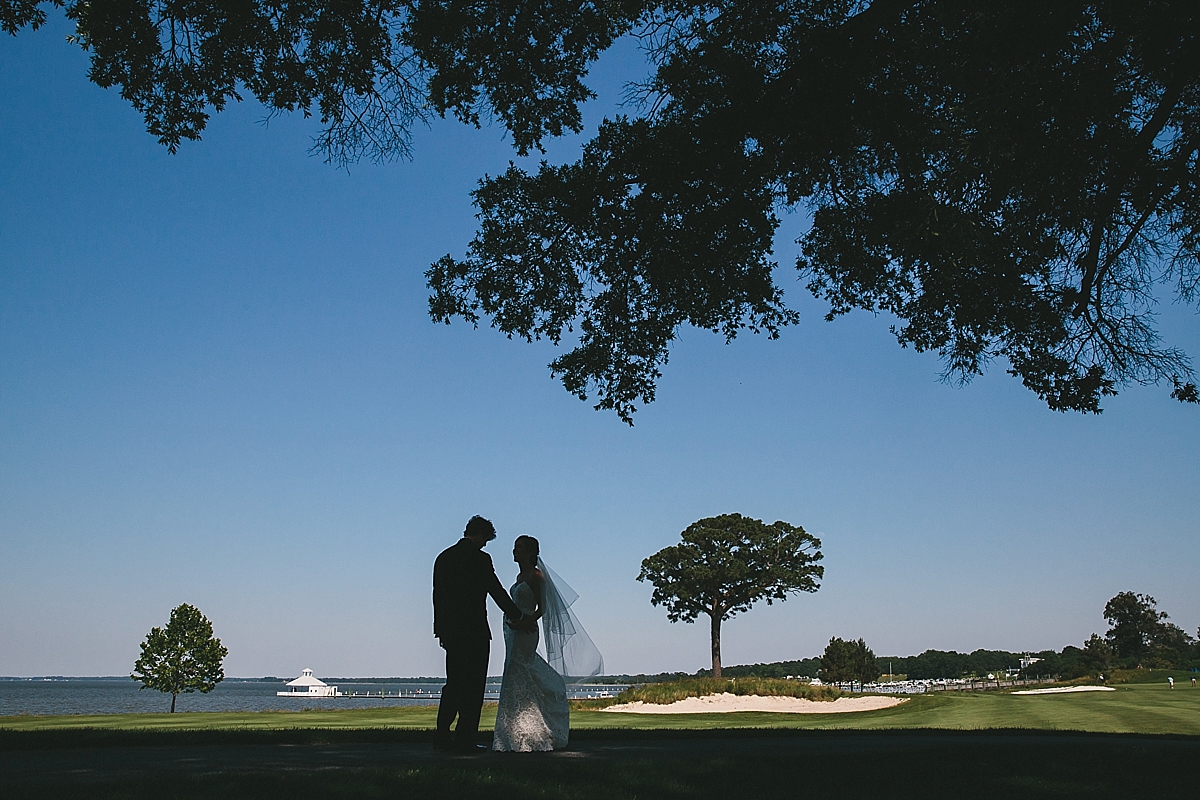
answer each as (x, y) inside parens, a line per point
(470, 748)
(443, 740)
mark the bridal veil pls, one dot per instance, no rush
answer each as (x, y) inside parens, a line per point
(568, 647)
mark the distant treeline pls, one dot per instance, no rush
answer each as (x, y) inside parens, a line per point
(951, 664)
(1140, 637)
(930, 664)
(804, 668)
(657, 677)
(1070, 662)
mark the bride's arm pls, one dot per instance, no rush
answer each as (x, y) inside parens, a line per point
(528, 622)
(536, 585)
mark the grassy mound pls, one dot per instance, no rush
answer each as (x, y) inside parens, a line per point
(671, 691)
(1150, 676)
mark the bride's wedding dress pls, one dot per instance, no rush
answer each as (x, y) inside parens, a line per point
(533, 713)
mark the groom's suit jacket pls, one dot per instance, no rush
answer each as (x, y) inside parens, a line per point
(463, 577)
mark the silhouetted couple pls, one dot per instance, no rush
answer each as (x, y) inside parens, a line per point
(533, 713)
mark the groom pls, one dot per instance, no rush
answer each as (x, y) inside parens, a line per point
(463, 576)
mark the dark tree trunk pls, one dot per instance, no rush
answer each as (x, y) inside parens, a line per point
(716, 643)
(173, 703)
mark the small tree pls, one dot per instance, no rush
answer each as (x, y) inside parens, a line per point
(183, 657)
(1136, 623)
(1171, 647)
(726, 564)
(866, 668)
(1097, 655)
(837, 662)
(845, 661)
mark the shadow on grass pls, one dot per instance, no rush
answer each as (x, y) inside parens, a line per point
(892, 765)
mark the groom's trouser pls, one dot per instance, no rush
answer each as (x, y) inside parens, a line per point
(462, 696)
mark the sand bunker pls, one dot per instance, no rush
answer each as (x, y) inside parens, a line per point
(726, 703)
(1067, 690)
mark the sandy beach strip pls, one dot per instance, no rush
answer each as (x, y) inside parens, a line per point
(727, 703)
(1067, 690)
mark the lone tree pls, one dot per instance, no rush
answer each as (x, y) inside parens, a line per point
(726, 564)
(836, 661)
(845, 661)
(183, 657)
(1141, 634)
(1135, 624)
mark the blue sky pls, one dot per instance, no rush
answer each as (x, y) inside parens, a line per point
(219, 385)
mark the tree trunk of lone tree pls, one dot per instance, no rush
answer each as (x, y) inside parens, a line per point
(173, 703)
(716, 643)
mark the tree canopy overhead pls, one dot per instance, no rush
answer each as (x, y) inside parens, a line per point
(1011, 181)
(370, 69)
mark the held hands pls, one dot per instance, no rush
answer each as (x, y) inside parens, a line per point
(525, 623)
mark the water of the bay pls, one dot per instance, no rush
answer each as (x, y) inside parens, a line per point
(122, 696)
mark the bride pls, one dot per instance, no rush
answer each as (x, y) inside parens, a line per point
(533, 713)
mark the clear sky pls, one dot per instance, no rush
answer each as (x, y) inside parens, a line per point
(219, 385)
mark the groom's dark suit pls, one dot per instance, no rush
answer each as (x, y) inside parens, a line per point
(463, 577)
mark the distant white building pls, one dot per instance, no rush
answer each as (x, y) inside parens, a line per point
(308, 686)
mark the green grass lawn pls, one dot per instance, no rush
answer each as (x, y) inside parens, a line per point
(893, 753)
(1134, 708)
(1144, 708)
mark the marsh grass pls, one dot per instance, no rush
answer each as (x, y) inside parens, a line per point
(672, 691)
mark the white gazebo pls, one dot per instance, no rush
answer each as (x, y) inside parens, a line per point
(308, 686)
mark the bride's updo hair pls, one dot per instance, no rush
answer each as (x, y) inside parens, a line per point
(529, 541)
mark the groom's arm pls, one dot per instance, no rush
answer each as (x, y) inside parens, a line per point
(496, 590)
(498, 593)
